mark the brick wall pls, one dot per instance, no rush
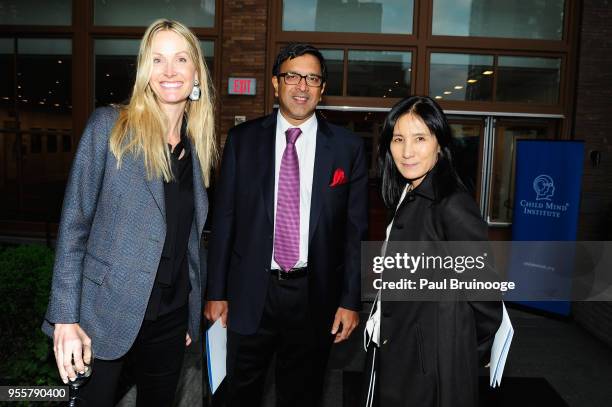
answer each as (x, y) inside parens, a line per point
(593, 121)
(593, 124)
(244, 36)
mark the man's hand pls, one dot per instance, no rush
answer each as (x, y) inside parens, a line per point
(215, 310)
(187, 339)
(71, 342)
(349, 321)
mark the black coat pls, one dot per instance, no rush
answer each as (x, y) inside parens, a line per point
(430, 351)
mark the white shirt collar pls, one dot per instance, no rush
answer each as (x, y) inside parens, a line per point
(307, 127)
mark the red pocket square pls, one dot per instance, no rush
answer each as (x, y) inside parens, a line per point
(339, 178)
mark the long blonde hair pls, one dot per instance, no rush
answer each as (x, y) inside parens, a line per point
(142, 125)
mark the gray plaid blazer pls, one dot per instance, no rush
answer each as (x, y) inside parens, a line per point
(110, 240)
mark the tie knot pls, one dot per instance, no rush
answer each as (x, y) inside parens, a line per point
(292, 134)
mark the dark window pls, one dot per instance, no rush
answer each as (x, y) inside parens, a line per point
(138, 13)
(66, 143)
(35, 143)
(379, 73)
(461, 77)
(51, 143)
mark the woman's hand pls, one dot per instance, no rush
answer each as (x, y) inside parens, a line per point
(187, 339)
(71, 342)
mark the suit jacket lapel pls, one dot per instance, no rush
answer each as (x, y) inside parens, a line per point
(267, 159)
(133, 166)
(322, 173)
(156, 188)
(199, 195)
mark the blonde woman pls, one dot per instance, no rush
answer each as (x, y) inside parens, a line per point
(127, 280)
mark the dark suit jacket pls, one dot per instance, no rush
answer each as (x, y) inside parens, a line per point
(431, 351)
(240, 249)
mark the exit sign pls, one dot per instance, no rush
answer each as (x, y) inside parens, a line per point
(241, 86)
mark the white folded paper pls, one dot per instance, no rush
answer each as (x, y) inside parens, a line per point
(499, 351)
(216, 351)
(372, 328)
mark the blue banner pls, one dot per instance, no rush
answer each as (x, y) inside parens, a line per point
(546, 208)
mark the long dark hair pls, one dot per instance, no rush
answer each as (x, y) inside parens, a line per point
(392, 181)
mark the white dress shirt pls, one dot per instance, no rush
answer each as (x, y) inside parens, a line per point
(305, 146)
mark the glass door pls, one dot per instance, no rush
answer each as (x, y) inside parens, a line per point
(506, 133)
(367, 125)
(468, 134)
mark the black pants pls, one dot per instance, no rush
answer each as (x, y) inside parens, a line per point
(156, 357)
(287, 330)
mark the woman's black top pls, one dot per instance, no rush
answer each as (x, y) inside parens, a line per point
(171, 288)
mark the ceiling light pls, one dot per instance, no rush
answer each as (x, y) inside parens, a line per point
(59, 61)
(472, 80)
(438, 97)
(487, 73)
(447, 92)
(458, 87)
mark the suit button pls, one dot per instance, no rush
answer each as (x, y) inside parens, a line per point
(399, 226)
(386, 314)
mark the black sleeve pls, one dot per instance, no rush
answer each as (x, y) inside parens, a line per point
(356, 230)
(222, 230)
(462, 222)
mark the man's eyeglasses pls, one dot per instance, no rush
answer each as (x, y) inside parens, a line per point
(294, 78)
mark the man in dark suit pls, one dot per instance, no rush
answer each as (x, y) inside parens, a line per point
(290, 213)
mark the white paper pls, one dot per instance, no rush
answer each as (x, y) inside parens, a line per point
(372, 329)
(216, 351)
(499, 351)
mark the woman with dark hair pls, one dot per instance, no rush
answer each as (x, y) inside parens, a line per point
(427, 353)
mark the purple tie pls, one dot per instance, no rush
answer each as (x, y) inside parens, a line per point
(287, 225)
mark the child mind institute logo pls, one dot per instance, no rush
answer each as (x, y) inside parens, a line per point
(544, 187)
(543, 206)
